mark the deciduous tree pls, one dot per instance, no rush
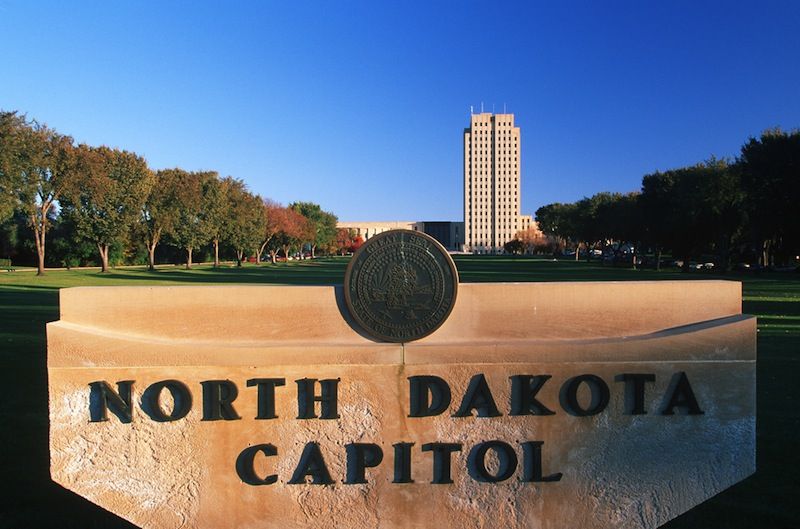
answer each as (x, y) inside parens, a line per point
(321, 225)
(215, 208)
(110, 196)
(514, 247)
(160, 211)
(294, 231)
(37, 165)
(272, 215)
(344, 240)
(190, 230)
(559, 221)
(10, 123)
(244, 218)
(694, 209)
(770, 171)
(358, 242)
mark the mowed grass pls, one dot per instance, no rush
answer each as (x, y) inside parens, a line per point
(768, 499)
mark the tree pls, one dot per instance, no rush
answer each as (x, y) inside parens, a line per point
(619, 217)
(38, 165)
(159, 211)
(322, 225)
(10, 124)
(289, 231)
(190, 229)
(558, 220)
(694, 209)
(534, 241)
(344, 239)
(294, 231)
(215, 208)
(243, 226)
(770, 175)
(271, 221)
(514, 247)
(590, 226)
(109, 198)
(358, 242)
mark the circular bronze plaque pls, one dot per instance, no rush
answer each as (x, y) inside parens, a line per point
(401, 285)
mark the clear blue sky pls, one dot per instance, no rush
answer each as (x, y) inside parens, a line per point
(360, 106)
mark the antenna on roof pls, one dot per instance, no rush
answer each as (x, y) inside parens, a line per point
(481, 107)
(504, 108)
(471, 111)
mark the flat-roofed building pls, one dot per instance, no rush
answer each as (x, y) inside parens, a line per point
(370, 229)
(450, 234)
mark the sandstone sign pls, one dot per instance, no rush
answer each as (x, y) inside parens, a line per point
(538, 405)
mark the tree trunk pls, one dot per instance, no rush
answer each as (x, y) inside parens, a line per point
(39, 235)
(273, 255)
(239, 256)
(151, 249)
(261, 250)
(725, 253)
(286, 252)
(577, 251)
(658, 258)
(313, 250)
(216, 253)
(188, 258)
(40, 252)
(103, 257)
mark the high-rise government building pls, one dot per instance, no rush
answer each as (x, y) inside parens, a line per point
(491, 183)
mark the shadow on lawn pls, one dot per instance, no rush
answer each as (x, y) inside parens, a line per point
(299, 274)
(30, 498)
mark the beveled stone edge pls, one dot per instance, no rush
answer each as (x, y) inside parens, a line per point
(679, 344)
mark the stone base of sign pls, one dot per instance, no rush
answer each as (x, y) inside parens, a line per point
(622, 463)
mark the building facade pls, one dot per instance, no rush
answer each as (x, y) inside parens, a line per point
(369, 229)
(491, 183)
(450, 234)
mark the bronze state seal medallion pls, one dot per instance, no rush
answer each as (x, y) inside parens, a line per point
(401, 285)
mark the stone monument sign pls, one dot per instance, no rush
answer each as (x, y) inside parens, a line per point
(402, 399)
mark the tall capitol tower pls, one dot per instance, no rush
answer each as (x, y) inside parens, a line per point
(491, 183)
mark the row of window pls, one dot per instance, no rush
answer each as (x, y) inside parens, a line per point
(503, 159)
(488, 123)
(498, 178)
(498, 124)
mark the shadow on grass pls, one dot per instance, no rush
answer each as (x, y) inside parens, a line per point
(769, 497)
(315, 273)
(29, 497)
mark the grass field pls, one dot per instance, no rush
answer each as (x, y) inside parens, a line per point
(769, 499)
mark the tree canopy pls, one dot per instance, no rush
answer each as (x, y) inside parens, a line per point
(113, 188)
(321, 225)
(717, 210)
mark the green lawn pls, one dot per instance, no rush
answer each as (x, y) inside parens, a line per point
(769, 499)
